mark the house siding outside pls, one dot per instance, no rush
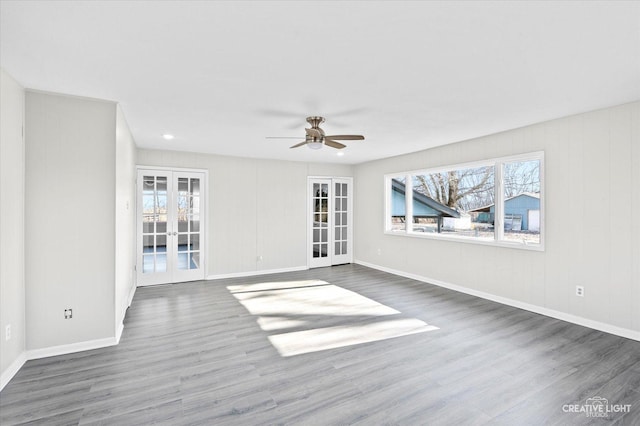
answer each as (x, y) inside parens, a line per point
(520, 205)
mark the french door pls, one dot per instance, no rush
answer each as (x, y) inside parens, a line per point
(170, 217)
(330, 229)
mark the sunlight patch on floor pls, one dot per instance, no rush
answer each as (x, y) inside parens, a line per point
(284, 305)
(313, 315)
(320, 339)
(276, 285)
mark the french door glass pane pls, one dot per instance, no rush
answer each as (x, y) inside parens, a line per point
(161, 185)
(161, 263)
(195, 224)
(182, 261)
(161, 243)
(154, 223)
(182, 242)
(195, 186)
(147, 244)
(148, 263)
(161, 204)
(194, 236)
(340, 224)
(195, 261)
(183, 185)
(320, 226)
(147, 224)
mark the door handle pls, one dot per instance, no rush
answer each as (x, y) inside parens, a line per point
(175, 233)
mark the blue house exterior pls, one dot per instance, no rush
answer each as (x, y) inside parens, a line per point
(423, 206)
(519, 206)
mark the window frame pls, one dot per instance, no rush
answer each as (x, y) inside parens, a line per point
(498, 235)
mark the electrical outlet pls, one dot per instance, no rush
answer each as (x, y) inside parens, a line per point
(379, 252)
(580, 291)
(7, 332)
(68, 313)
(259, 258)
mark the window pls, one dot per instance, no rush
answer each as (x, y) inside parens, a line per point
(521, 201)
(497, 201)
(398, 215)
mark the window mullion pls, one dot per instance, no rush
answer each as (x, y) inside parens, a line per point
(499, 202)
(408, 198)
(387, 204)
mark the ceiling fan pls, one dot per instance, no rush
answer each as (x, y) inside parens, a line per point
(315, 137)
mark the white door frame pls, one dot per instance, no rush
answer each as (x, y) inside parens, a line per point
(332, 258)
(204, 233)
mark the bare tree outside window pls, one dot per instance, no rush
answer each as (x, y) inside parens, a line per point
(462, 190)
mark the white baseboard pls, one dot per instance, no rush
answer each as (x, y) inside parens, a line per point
(596, 325)
(16, 365)
(132, 292)
(254, 273)
(119, 331)
(71, 348)
(120, 326)
(11, 371)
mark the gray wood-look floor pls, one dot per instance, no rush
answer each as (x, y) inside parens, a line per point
(191, 353)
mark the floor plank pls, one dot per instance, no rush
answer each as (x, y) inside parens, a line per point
(192, 353)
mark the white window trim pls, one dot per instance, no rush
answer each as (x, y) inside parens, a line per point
(498, 241)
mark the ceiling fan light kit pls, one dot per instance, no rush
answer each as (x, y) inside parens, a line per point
(315, 136)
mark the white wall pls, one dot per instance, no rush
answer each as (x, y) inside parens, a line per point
(69, 219)
(256, 208)
(592, 181)
(12, 306)
(125, 217)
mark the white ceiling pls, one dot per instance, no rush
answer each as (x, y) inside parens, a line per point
(222, 76)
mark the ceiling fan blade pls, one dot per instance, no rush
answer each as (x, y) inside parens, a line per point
(298, 144)
(346, 137)
(314, 133)
(333, 144)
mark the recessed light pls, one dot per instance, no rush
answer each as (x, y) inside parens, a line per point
(340, 154)
(168, 137)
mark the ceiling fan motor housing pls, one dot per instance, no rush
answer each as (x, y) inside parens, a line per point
(315, 121)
